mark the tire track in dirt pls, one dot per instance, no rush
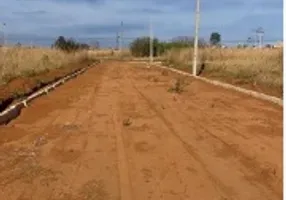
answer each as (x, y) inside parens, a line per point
(125, 185)
(164, 152)
(85, 117)
(81, 121)
(123, 167)
(66, 137)
(105, 123)
(190, 149)
(247, 162)
(66, 141)
(86, 169)
(261, 170)
(210, 110)
(33, 143)
(122, 163)
(48, 109)
(211, 119)
(126, 105)
(26, 191)
(211, 106)
(151, 184)
(213, 139)
(174, 170)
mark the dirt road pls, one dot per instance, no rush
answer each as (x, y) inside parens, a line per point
(118, 132)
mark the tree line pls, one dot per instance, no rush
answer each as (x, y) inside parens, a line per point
(70, 45)
(140, 47)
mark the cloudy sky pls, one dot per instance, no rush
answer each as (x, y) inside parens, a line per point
(40, 21)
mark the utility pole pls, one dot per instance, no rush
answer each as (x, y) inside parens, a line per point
(4, 49)
(151, 43)
(4, 37)
(256, 40)
(254, 36)
(117, 41)
(196, 38)
(121, 36)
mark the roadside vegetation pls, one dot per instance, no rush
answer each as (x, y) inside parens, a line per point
(23, 69)
(256, 69)
(21, 61)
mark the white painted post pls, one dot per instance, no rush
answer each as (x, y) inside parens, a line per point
(197, 22)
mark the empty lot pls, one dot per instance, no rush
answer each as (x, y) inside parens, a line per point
(117, 132)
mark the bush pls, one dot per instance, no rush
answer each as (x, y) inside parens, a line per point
(140, 47)
(69, 45)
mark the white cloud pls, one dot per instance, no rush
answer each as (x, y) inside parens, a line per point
(173, 17)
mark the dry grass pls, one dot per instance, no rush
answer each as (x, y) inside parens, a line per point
(18, 62)
(109, 53)
(125, 54)
(244, 66)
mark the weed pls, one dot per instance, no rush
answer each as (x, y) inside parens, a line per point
(164, 73)
(251, 66)
(178, 86)
(19, 93)
(29, 73)
(154, 79)
(127, 122)
(6, 78)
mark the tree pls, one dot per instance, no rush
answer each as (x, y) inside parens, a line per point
(250, 42)
(140, 47)
(60, 42)
(69, 45)
(95, 45)
(84, 46)
(18, 45)
(186, 41)
(215, 39)
(269, 46)
(242, 46)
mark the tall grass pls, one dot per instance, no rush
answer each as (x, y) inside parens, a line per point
(109, 53)
(17, 62)
(244, 66)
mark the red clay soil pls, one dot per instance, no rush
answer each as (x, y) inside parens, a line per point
(116, 132)
(24, 85)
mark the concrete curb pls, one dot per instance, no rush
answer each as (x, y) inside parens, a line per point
(14, 110)
(252, 93)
